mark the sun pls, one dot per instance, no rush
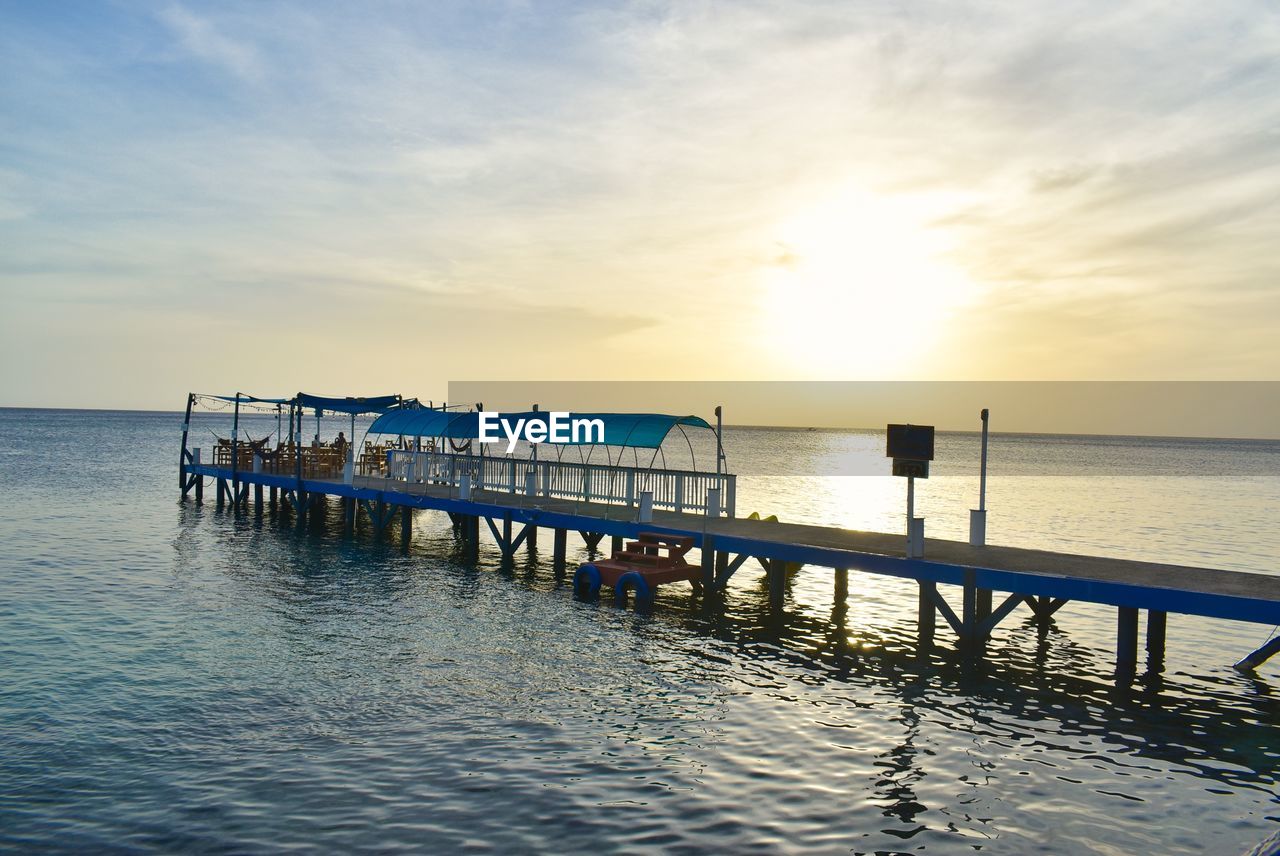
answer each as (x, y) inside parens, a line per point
(861, 285)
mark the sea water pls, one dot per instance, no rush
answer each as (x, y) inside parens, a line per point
(178, 678)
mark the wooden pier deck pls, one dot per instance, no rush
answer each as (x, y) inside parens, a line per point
(1039, 579)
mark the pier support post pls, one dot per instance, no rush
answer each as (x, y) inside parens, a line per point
(274, 498)
(709, 555)
(591, 539)
(257, 498)
(928, 611)
(1045, 607)
(969, 613)
(777, 573)
(222, 492)
(472, 538)
(616, 543)
(983, 605)
(406, 526)
(349, 513)
(507, 551)
(559, 549)
(842, 585)
(1126, 641)
(531, 537)
(199, 490)
(1156, 625)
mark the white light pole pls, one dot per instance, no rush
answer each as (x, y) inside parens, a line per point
(978, 516)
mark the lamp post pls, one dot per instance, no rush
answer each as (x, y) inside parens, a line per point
(978, 516)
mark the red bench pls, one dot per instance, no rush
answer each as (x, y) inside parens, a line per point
(644, 564)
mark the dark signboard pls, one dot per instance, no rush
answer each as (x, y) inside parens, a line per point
(910, 469)
(909, 442)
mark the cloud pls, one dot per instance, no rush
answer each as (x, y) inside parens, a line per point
(1097, 165)
(200, 37)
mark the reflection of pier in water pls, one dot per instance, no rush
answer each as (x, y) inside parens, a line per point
(1225, 738)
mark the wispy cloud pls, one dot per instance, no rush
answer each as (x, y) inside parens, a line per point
(200, 37)
(1109, 176)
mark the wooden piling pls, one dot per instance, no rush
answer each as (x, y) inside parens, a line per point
(561, 543)
(1126, 641)
(969, 616)
(709, 555)
(842, 585)
(928, 612)
(1156, 626)
(406, 526)
(983, 604)
(777, 572)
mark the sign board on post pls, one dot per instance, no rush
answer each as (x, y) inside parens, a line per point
(911, 447)
(910, 469)
(911, 442)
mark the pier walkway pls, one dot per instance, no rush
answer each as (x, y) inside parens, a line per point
(1040, 580)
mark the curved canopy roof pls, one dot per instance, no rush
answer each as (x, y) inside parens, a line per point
(249, 399)
(643, 430)
(350, 404)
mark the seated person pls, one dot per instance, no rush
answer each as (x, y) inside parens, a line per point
(341, 445)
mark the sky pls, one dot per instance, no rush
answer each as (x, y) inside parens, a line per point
(386, 197)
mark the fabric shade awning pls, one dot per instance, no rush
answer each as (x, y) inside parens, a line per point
(642, 430)
(250, 399)
(350, 404)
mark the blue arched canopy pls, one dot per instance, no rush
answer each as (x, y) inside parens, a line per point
(642, 430)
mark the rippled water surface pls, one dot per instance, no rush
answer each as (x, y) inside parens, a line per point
(177, 677)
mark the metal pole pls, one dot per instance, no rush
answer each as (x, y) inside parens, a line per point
(235, 447)
(982, 478)
(719, 438)
(911, 504)
(182, 459)
(297, 456)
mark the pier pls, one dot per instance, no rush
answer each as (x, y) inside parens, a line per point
(967, 590)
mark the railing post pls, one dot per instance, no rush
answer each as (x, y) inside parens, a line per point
(731, 495)
(713, 502)
(631, 488)
(679, 499)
